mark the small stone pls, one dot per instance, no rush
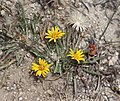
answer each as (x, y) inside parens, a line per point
(45, 7)
(109, 57)
(102, 37)
(114, 59)
(1, 52)
(48, 12)
(38, 99)
(20, 99)
(26, 98)
(2, 12)
(49, 92)
(60, 8)
(77, 76)
(14, 92)
(116, 53)
(119, 87)
(8, 3)
(20, 93)
(101, 68)
(104, 61)
(28, 89)
(8, 88)
(102, 29)
(22, 50)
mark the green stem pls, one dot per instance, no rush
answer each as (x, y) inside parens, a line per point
(107, 25)
(92, 72)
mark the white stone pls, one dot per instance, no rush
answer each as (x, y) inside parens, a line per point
(114, 59)
(60, 8)
(101, 68)
(20, 99)
(38, 99)
(104, 61)
(119, 87)
(1, 52)
(8, 3)
(116, 53)
(2, 12)
(14, 92)
(109, 57)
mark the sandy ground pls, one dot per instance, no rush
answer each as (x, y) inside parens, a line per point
(16, 81)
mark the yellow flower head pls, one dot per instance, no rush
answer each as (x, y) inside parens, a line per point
(42, 68)
(54, 34)
(76, 56)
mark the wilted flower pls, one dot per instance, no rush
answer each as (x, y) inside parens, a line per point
(42, 68)
(79, 56)
(78, 21)
(54, 34)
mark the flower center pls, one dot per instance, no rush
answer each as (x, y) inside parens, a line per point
(55, 35)
(41, 67)
(76, 56)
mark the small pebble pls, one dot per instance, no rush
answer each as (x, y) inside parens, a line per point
(60, 8)
(1, 52)
(38, 99)
(8, 3)
(104, 61)
(119, 87)
(8, 88)
(28, 89)
(102, 37)
(109, 57)
(14, 92)
(2, 12)
(101, 68)
(20, 99)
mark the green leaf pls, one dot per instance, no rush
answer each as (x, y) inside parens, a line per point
(58, 68)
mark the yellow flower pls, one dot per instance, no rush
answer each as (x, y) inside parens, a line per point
(76, 56)
(54, 34)
(42, 68)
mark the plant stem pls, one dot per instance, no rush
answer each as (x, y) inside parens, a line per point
(107, 25)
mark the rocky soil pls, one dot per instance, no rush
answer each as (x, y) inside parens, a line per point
(16, 81)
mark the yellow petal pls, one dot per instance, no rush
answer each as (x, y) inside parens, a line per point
(76, 49)
(73, 58)
(62, 33)
(71, 50)
(43, 74)
(54, 40)
(35, 65)
(35, 68)
(82, 59)
(69, 55)
(78, 61)
(52, 29)
(82, 55)
(50, 39)
(56, 29)
(47, 34)
(49, 31)
(47, 37)
(38, 73)
(47, 69)
(48, 65)
(40, 60)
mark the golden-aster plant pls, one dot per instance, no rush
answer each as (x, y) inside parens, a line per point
(78, 55)
(56, 53)
(42, 68)
(54, 34)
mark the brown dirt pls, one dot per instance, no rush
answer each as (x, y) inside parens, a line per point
(16, 81)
